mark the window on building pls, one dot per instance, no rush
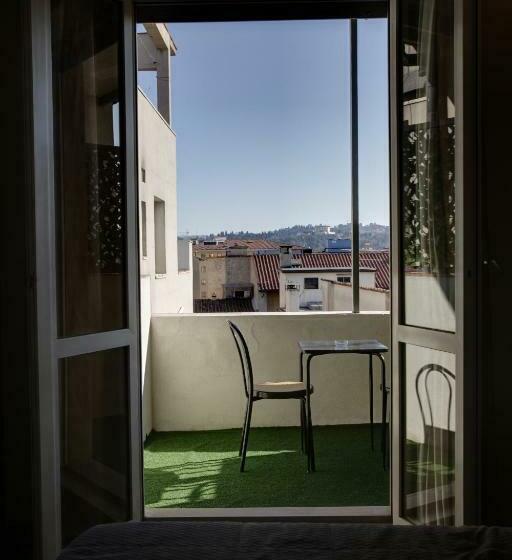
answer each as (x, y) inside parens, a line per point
(311, 283)
(343, 279)
(203, 269)
(143, 174)
(144, 233)
(160, 256)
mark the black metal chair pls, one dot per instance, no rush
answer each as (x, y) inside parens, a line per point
(267, 390)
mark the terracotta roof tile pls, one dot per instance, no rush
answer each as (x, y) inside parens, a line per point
(254, 244)
(267, 266)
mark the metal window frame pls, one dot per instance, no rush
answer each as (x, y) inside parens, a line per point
(354, 148)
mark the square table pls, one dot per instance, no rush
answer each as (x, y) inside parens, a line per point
(312, 348)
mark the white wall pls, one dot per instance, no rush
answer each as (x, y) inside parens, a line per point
(338, 297)
(197, 382)
(305, 297)
(171, 292)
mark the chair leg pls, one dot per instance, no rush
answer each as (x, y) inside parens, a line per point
(243, 429)
(246, 434)
(303, 442)
(310, 444)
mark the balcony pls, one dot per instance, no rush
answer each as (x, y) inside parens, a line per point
(194, 406)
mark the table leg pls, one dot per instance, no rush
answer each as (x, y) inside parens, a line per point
(384, 410)
(371, 398)
(310, 446)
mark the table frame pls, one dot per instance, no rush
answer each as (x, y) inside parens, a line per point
(310, 354)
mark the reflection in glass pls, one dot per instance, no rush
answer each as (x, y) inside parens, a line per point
(90, 188)
(94, 440)
(428, 163)
(429, 446)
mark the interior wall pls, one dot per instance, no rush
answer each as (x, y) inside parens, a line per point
(495, 93)
(17, 410)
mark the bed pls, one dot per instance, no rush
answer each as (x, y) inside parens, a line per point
(177, 540)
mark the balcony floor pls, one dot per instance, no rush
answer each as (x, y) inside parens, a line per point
(201, 469)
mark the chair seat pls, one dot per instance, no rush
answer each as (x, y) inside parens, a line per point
(280, 389)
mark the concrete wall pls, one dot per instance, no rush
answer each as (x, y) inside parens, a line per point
(160, 293)
(211, 277)
(184, 254)
(238, 269)
(338, 297)
(171, 292)
(197, 382)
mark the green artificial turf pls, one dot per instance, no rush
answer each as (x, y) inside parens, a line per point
(201, 469)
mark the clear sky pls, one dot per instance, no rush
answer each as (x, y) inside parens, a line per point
(261, 113)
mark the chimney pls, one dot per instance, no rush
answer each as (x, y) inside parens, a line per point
(285, 256)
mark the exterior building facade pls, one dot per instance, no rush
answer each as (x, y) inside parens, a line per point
(166, 275)
(280, 281)
(223, 269)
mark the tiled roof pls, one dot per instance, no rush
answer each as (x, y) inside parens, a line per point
(229, 305)
(267, 266)
(254, 244)
(267, 269)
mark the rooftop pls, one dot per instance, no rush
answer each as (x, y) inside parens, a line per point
(267, 266)
(251, 244)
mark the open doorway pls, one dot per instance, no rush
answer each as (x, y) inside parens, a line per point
(246, 147)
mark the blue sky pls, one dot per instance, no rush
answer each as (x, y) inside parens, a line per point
(261, 114)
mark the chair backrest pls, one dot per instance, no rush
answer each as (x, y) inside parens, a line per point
(245, 359)
(423, 375)
(439, 441)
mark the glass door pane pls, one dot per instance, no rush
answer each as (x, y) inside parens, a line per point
(95, 367)
(429, 436)
(89, 165)
(424, 234)
(428, 164)
(94, 424)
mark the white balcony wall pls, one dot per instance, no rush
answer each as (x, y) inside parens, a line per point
(338, 297)
(197, 382)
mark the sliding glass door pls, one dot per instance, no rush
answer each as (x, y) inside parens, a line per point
(429, 283)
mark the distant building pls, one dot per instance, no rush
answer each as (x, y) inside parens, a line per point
(319, 281)
(165, 260)
(222, 267)
(338, 244)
